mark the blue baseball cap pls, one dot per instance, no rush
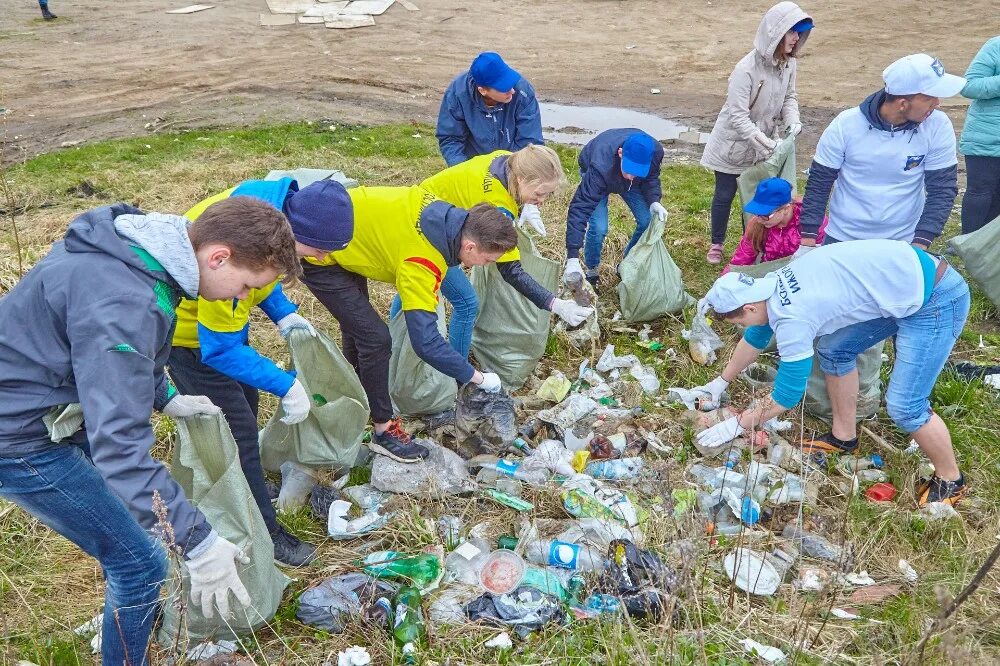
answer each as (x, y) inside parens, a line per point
(637, 154)
(771, 195)
(490, 71)
(321, 215)
(804, 25)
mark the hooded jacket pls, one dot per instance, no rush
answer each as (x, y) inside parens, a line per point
(601, 175)
(466, 127)
(761, 97)
(91, 323)
(981, 134)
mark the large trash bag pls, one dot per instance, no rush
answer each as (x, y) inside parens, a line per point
(817, 401)
(330, 437)
(761, 269)
(206, 464)
(980, 250)
(781, 164)
(415, 387)
(651, 283)
(510, 333)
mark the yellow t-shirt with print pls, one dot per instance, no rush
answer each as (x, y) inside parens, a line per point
(219, 316)
(389, 247)
(470, 183)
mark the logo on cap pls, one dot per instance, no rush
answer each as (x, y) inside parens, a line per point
(745, 279)
(937, 67)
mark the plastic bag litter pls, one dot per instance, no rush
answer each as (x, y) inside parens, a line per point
(651, 283)
(585, 497)
(443, 472)
(511, 332)
(598, 533)
(609, 361)
(485, 421)
(569, 411)
(768, 653)
(95, 626)
(640, 578)
(330, 437)
(340, 599)
(297, 482)
(939, 511)
(647, 378)
(501, 642)
(354, 656)
(583, 294)
(417, 388)
(555, 387)
(702, 340)
(526, 609)
(552, 456)
(340, 528)
(210, 650)
(448, 607)
(979, 252)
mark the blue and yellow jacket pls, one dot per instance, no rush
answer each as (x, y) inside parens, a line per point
(221, 329)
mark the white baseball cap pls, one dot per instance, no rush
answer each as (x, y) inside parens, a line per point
(733, 290)
(921, 74)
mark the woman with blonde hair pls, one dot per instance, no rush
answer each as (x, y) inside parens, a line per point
(761, 99)
(516, 183)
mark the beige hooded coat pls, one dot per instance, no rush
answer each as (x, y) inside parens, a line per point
(761, 97)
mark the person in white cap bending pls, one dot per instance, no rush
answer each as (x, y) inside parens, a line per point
(893, 159)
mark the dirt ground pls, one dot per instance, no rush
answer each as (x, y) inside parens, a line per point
(106, 68)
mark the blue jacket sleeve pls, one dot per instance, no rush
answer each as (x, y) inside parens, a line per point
(515, 275)
(527, 122)
(818, 188)
(758, 337)
(941, 186)
(790, 383)
(650, 186)
(276, 306)
(588, 194)
(427, 342)
(230, 355)
(452, 131)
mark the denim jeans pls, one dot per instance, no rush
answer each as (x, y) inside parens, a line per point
(981, 203)
(61, 487)
(464, 308)
(597, 228)
(923, 343)
(722, 204)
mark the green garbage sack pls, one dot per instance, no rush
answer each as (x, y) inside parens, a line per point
(761, 269)
(330, 437)
(206, 464)
(651, 283)
(781, 164)
(510, 333)
(980, 250)
(817, 400)
(415, 387)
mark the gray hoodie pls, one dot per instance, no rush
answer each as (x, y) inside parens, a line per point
(92, 323)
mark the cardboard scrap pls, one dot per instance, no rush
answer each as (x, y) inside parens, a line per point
(327, 9)
(872, 594)
(277, 19)
(371, 7)
(190, 9)
(289, 6)
(346, 22)
(312, 19)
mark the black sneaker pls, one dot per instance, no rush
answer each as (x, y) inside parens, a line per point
(291, 551)
(827, 443)
(593, 277)
(939, 490)
(397, 444)
(47, 15)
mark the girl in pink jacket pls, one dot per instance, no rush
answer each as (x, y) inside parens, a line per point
(773, 231)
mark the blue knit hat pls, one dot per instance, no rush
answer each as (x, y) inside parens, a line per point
(321, 215)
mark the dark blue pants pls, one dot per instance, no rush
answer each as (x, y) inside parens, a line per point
(981, 203)
(722, 204)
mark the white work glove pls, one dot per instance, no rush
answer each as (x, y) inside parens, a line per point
(763, 144)
(490, 383)
(721, 433)
(657, 209)
(532, 217)
(213, 577)
(296, 404)
(803, 249)
(183, 406)
(794, 129)
(570, 312)
(714, 388)
(292, 321)
(572, 266)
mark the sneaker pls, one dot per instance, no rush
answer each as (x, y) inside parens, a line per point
(397, 444)
(939, 490)
(714, 255)
(827, 443)
(290, 551)
(593, 277)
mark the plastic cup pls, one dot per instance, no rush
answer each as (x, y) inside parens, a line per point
(502, 572)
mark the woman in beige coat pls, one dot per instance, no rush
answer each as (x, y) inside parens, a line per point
(760, 102)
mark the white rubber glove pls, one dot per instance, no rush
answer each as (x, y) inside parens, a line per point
(531, 216)
(763, 144)
(490, 383)
(714, 388)
(296, 404)
(183, 406)
(794, 129)
(657, 209)
(570, 312)
(721, 433)
(213, 577)
(803, 249)
(572, 266)
(292, 321)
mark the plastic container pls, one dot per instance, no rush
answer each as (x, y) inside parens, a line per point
(502, 572)
(881, 492)
(751, 572)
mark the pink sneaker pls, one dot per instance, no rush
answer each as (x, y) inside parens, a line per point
(714, 255)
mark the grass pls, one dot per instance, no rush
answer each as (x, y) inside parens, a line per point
(47, 587)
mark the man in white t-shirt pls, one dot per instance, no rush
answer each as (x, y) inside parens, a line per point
(851, 296)
(892, 158)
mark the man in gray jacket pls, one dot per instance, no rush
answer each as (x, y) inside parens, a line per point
(91, 323)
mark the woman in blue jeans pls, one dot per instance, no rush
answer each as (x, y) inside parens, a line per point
(851, 296)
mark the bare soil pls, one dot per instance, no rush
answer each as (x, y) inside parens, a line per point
(107, 68)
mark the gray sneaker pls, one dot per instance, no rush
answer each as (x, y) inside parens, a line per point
(397, 444)
(290, 551)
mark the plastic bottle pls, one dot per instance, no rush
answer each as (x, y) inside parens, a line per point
(514, 470)
(733, 458)
(623, 468)
(562, 554)
(421, 569)
(605, 604)
(812, 545)
(463, 564)
(380, 612)
(408, 626)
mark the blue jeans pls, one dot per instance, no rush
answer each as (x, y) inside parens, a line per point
(597, 228)
(923, 343)
(464, 308)
(61, 487)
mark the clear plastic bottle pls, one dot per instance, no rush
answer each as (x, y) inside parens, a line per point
(562, 554)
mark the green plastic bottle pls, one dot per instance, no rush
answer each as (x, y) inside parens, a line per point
(421, 569)
(408, 622)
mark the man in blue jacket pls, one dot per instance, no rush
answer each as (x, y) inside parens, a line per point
(622, 161)
(91, 324)
(490, 107)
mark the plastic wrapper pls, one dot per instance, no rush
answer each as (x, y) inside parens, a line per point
(526, 609)
(485, 421)
(702, 341)
(640, 579)
(340, 599)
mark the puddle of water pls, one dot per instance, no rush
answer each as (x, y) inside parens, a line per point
(576, 125)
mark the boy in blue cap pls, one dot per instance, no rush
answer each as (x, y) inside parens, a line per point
(622, 161)
(489, 107)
